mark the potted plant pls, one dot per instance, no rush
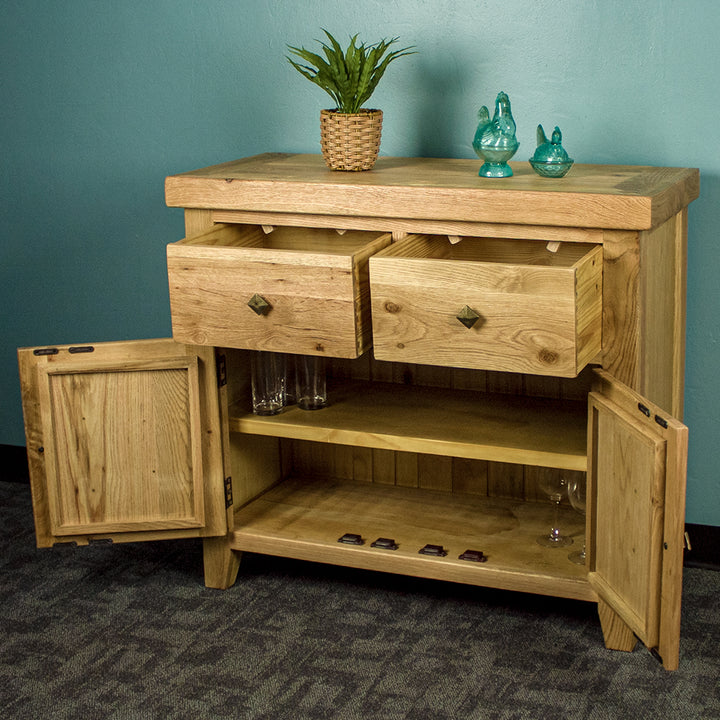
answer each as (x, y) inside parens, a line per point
(349, 133)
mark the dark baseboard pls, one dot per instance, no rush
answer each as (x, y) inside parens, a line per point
(705, 546)
(13, 464)
(704, 549)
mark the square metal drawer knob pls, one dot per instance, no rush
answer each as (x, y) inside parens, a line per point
(467, 316)
(259, 305)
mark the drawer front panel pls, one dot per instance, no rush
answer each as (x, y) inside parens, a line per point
(463, 311)
(305, 300)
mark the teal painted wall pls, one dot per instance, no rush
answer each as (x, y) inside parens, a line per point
(102, 100)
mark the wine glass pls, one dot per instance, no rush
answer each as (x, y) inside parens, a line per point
(576, 493)
(555, 487)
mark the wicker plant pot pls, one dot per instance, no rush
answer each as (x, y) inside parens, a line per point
(350, 141)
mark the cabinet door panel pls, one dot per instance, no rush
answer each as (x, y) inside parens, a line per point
(123, 439)
(122, 446)
(636, 482)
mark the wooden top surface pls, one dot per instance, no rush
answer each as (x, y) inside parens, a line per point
(599, 196)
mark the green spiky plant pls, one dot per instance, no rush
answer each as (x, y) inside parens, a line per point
(351, 76)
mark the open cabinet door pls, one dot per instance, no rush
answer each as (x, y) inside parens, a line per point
(637, 457)
(123, 441)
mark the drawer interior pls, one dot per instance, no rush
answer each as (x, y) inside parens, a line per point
(489, 250)
(291, 239)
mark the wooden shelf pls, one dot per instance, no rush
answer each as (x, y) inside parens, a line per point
(438, 421)
(303, 519)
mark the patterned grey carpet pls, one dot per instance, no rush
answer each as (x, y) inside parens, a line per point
(130, 632)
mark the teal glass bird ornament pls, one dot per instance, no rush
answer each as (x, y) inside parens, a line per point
(550, 158)
(495, 141)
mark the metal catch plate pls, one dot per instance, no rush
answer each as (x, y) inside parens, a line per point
(434, 550)
(473, 556)
(351, 539)
(385, 544)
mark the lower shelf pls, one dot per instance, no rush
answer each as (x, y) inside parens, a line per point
(304, 519)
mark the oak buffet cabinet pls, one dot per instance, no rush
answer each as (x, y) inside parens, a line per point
(479, 334)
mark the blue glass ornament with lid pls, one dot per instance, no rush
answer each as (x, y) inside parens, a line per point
(550, 158)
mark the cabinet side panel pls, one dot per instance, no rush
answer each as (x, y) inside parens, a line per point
(662, 313)
(255, 463)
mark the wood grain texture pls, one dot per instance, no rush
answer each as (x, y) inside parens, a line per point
(628, 519)
(592, 196)
(663, 263)
(635, 217)
(126, 446)
(220, 563)
(621, 307)
(540, 311)
(315, 282)
(303, 518)
(673, 546)
(636, 511)
(123, 441)
(401, 226)
(197, 221)
(616, 633)
(468, 475)
(436, 421)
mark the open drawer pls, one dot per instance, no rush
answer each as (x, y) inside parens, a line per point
(285, 289)
(516, 306)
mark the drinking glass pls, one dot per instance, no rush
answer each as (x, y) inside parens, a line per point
(290, 384)
(555, 487)
(268, 370)
(311, 389)
(576, 493)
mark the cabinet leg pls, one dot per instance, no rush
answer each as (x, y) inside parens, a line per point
(220, 563)
(618, 636)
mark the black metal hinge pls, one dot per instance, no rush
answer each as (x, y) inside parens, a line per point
(228, 492)
(221, 370)
(45, 351)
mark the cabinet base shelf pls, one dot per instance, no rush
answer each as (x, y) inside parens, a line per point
(303, 519)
